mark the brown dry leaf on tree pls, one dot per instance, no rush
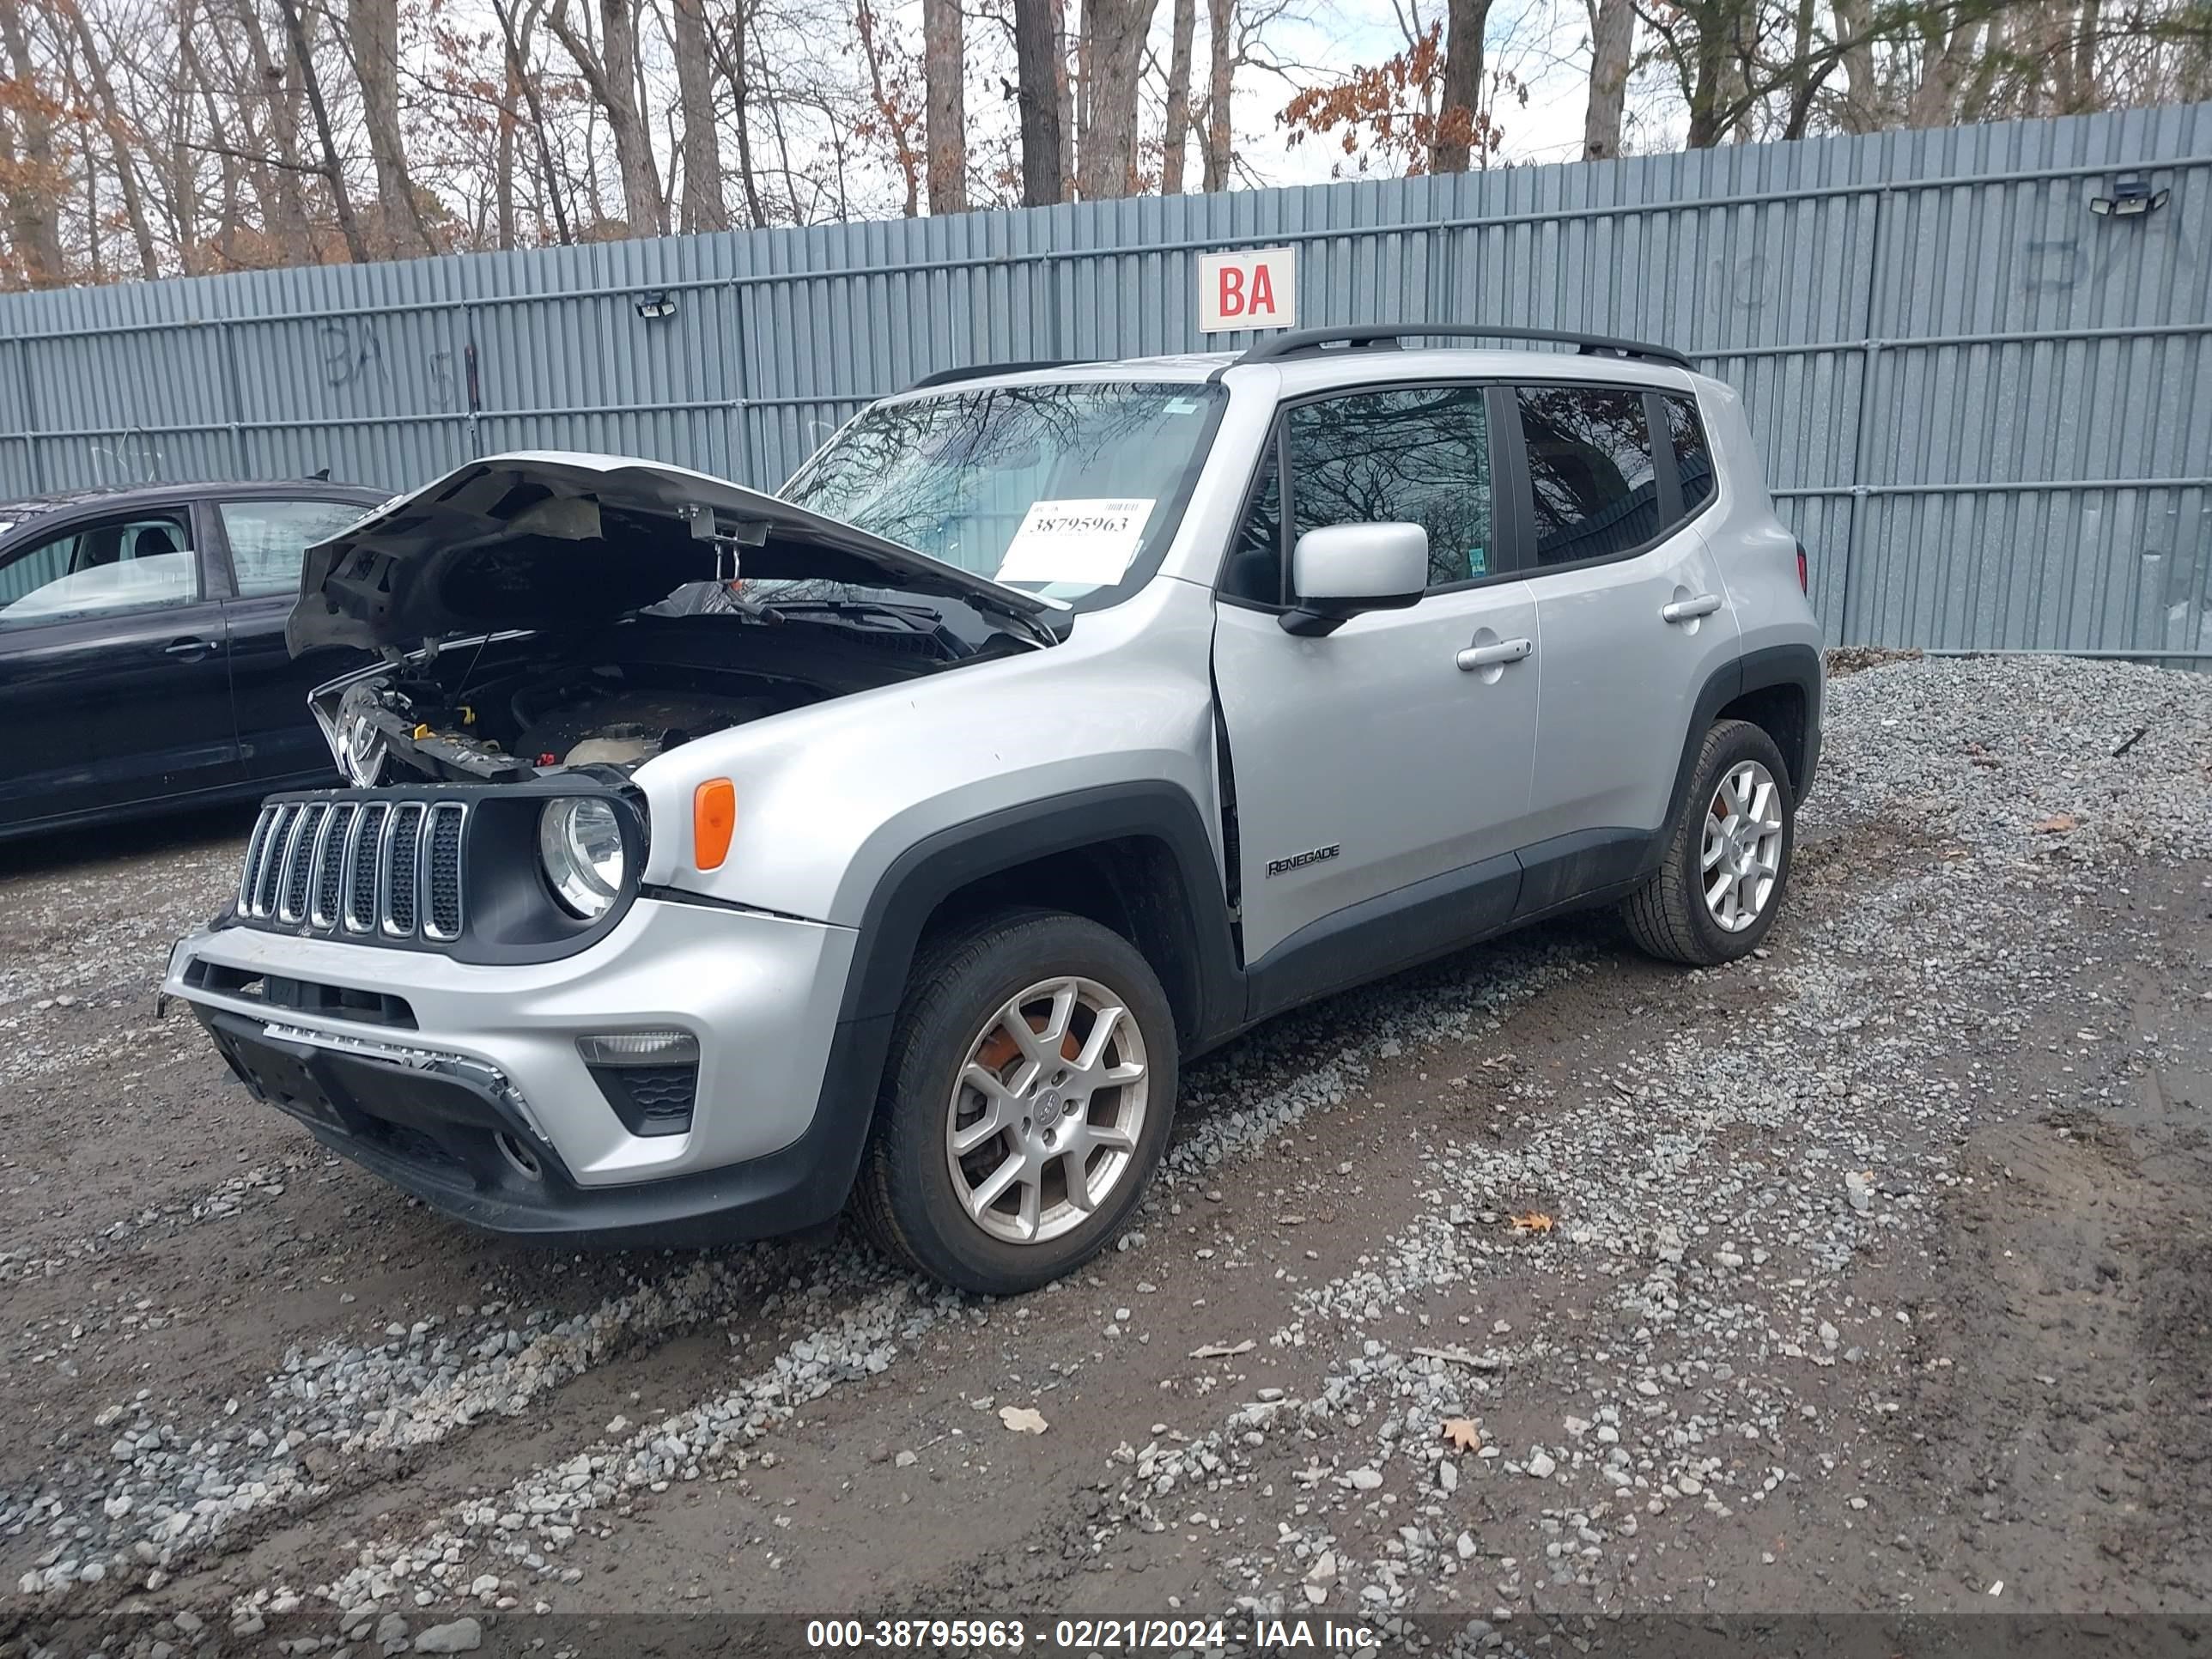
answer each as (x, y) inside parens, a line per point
(1463, 1433)
(1531, 1221)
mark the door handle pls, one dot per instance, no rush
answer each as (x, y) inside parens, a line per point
(1690, 610)
(1490, 656)
(190, 650)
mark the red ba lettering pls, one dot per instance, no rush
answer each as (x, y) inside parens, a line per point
(1262, 297)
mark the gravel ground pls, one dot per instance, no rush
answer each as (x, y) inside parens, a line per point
(1538, 1287)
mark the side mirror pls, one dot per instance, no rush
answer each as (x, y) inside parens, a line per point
(1342, 569)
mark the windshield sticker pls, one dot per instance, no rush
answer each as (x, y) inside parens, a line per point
(1087, 541)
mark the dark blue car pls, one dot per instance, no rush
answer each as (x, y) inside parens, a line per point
(142, 647)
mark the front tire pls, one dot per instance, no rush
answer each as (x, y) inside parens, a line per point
(1726, 864)
(1025, 1104)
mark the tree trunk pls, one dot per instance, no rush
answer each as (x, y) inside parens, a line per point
(1460, 114)
(1038, 71)
(1613, 44)
(1862, 99)
(613, 83)
(1945, 60)
(296, 32)
(34, 184)
(2084, 79)
(944, 70)
(1114, 35)
(372, 33)
(1708, 122)
(702, 153)
(1220, 84)
(1177, 137)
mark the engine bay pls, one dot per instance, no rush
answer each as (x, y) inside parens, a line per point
(505, 709)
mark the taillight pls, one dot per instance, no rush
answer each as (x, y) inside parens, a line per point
(1803, 586)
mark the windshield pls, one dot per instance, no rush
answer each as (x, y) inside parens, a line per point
(1068, 490)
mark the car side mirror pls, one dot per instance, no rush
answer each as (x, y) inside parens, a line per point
(1342, 569)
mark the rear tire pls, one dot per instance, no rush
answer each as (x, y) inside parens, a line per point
(1081, 1116)
(1721, 881)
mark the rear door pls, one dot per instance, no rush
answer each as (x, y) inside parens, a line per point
(114, 664)
(1633, 617)
(263, 539)
(1381, 782)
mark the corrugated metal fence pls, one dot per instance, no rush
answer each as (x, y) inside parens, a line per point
(1987, 409)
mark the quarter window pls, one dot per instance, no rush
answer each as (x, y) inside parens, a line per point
(268, 539)
(1255, 568)
(115, 564)
(1693, 461)
(1412, 455)
(1594, 492)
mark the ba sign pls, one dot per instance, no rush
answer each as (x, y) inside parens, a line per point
(1258, 289)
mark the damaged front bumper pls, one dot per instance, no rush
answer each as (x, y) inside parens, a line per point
(465, 1085)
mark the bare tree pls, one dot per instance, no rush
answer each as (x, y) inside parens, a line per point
(1176, 138)
(372, 33)
(1039, 69)
(34, 178)
(1221, 79)
(1613, 44)
(613, 81)
(1459, 113)
(296, 32)
(945, 65)
(1114, 33)
(120, 136)
(704, 208)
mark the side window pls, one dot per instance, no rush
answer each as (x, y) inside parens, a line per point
(1594, 491)
(1254, 569)
(1693, 461)
(269, 538)
(1413, 454)
(111, 565)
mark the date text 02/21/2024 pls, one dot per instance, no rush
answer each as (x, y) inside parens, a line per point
(1016, 1635)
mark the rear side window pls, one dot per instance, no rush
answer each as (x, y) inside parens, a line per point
(1410, 455)
(1594, 487)
(268, 539)
(1693, 461)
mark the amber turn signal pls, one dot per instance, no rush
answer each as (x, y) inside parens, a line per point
(714, 820)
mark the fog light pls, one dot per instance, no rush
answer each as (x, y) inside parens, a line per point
(640, 1048)
(648, 1078)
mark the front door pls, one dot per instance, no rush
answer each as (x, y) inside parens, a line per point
(1381, 771)
(1633, 617)
(114, 667)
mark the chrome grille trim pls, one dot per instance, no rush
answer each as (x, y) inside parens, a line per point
(377, 867)
(441, 908)
(364, 867)
(300, 848)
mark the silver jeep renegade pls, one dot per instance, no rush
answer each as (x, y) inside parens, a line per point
(713, 860)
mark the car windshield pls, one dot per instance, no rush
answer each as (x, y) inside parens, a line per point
(1071, 490)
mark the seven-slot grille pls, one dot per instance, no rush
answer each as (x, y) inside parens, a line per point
(369, 869)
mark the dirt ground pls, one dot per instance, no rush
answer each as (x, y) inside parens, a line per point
(1873, 1276)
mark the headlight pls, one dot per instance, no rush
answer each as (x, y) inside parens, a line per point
(580, 841)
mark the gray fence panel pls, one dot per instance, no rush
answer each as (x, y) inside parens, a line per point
(1987, 411)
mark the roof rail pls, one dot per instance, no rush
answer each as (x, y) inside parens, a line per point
(977, 371)
(1304, 341)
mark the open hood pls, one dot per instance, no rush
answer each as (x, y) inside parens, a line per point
(551, 540)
